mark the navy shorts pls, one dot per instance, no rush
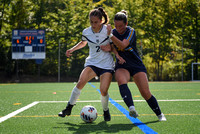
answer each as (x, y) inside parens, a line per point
(131, 70)
(100, 71)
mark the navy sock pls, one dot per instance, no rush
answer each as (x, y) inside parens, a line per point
(154, 105)
(126, 95)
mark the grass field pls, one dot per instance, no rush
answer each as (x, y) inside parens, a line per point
(179, 101)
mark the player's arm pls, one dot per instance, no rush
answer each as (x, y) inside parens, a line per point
(80, 45)
(121, 60)
(120, 44)
(106, 48)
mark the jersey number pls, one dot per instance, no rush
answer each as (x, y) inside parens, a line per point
(98, 48)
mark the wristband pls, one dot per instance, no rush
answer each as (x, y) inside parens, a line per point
(111, 35)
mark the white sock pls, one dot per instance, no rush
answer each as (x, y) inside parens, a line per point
(131, 108)
(104, 102)
(74, 95)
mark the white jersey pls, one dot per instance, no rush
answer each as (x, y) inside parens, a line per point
(98, 57)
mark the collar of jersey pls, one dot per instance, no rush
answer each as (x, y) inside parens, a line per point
(99, 30)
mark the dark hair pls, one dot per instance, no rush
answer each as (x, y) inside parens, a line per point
(122, 15)
(99, 12)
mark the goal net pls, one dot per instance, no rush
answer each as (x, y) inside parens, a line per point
(195, 71)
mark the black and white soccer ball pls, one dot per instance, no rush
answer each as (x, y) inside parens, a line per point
(88, 114)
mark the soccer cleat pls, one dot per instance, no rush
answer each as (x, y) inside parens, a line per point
(133, 113)
(161, 117)
(66, 111)
(106, 115)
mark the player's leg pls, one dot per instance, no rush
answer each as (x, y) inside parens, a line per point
(86, 75)
(123, 76)
(105, 80)
(141, 81)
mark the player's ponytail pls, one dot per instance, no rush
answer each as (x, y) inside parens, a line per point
(100, 13)
(104, 14)
(122, 15)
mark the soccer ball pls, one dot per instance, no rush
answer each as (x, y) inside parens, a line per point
(88, 113)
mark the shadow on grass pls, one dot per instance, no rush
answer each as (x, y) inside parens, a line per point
(102, 127)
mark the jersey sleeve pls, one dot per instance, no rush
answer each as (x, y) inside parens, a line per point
(131, 35)
(83, 35)
(110, 41)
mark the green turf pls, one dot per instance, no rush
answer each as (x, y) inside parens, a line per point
(183, 117)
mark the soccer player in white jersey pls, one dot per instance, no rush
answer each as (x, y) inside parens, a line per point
(99, 63)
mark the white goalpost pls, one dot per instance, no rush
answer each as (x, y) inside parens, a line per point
(197, 64)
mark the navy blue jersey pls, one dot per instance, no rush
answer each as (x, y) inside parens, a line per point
(130, 53)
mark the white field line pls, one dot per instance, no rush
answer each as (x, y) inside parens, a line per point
(182, 100)
(18, 111)
(120, 101)
(36, 102)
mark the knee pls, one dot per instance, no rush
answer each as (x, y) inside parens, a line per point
(120, 81)
(104, 93)
(80, 84)
(146, 95)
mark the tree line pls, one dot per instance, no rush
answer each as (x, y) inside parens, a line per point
(168, 35)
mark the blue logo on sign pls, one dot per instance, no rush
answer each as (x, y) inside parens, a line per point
(28, 55)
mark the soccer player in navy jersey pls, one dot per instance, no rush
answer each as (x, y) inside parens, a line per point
(124, 40)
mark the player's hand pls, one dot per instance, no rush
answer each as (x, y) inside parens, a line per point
(121, 60)
(109, 28)
(68, 53)
(106, 48)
